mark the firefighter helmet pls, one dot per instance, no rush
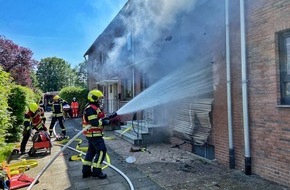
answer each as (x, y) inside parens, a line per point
(33, 107)
(56, 97)
(95, 95)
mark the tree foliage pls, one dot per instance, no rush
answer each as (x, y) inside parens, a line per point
(5, 119)
(17, 61)
(53, 74)
(82, 75)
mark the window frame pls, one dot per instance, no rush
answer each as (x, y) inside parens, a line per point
(284, 76)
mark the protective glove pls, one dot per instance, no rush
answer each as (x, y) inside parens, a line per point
(105, 121)
(112, 115)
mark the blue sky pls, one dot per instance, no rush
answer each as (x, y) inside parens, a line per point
(61, 28)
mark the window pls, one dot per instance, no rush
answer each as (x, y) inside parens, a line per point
(127, 89)
(101, 57)
(284, 56)
(144, 81)
(129, 41)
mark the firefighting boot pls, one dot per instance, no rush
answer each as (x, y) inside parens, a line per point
(86, 175)
(86, 171)
(99, 174)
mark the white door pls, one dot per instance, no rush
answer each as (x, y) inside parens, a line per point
(112, 97)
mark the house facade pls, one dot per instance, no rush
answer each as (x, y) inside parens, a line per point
(266, 57)
(241, 118)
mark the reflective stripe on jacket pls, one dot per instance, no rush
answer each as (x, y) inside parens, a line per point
(35, 119)
(93, 117)
(57, 109)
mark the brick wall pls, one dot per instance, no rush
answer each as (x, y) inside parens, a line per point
(269, 124)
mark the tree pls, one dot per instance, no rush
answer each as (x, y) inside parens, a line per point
(33, 78)
(17, 61)
(53, 74)
(82, 74)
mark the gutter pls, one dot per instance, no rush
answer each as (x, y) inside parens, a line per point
(244, 90)
(229, 97)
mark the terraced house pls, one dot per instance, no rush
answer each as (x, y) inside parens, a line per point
(214, 77)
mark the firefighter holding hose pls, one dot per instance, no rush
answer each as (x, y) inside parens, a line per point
(96, 119)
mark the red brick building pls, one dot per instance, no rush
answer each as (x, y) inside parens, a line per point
(250, 123)
(267, 24)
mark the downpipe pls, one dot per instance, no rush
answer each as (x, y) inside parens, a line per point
(232, 162)
(245, 91)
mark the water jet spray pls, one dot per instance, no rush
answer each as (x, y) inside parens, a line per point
(188, 81)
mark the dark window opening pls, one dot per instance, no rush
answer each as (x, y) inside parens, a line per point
(127, 89)
(284, 60)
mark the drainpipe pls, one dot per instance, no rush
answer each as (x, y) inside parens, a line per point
(134, 59)
(244, 90)
(133, 82)
(229, 97)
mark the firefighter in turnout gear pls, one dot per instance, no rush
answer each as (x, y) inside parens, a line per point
(95, 118)
(33, 119)
(57, 114)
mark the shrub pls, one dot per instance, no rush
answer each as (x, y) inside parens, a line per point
(5, 119)
(5, 151)
(79, 93)
(18, 100)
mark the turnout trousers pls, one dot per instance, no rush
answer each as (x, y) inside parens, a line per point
(60, 121)
(95, 156)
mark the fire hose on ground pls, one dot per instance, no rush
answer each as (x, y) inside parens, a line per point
(67, 146)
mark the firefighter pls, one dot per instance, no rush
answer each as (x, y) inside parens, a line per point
(41, 104)
(57, 114)
(75, 107)
(33, 119)
(95, 118)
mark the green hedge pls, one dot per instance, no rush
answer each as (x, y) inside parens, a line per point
(5, 119)
(18, 100)
(79, 93)
(5, 151)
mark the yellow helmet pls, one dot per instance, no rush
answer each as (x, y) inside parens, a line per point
(95, 95)
(33, 107)
(56, 97)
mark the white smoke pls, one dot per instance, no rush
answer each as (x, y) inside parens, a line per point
(171, 43)
(150, 23)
